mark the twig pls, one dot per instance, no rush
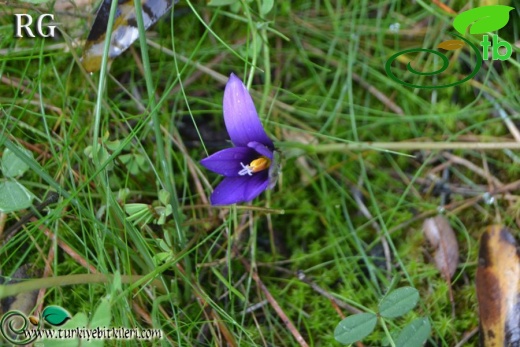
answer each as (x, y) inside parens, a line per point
(378, 94)
(504, 116)
(302, 277)
(482, 173)
(194, 170)
(47, 272)
(456, 206)
(201, 295)
(466, 337)
(275, 304)
(11, 231)
(443, 6)
(67, 249)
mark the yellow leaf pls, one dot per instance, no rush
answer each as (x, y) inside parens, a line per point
(451, 45)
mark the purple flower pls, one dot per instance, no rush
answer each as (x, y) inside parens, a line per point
(251, 166)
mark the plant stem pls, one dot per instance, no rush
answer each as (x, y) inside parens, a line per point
(400, 146)
(35, 284)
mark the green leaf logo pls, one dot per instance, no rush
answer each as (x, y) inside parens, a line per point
(55, 315)
(482, 19)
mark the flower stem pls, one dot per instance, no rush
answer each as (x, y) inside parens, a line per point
(398, 146)
(35, 284)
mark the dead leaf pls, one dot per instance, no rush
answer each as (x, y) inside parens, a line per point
(498, 276)
(440, 235)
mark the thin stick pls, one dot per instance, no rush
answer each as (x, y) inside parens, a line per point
(67, 249)
(482, 173)
(466, 337)
(10, 232)
(302, 277)
(275, 304)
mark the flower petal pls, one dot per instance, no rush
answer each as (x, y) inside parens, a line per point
(261, 149)
(242, 122)
(227, 161)
(233, 190)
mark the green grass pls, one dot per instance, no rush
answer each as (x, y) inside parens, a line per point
(312, 68)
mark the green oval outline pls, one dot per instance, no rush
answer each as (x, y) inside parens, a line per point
(388, 67)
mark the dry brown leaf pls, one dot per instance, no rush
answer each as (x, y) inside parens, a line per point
(441, 236)
(498, 276)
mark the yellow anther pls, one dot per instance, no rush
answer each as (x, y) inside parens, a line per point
(256, 165)
(260, 164)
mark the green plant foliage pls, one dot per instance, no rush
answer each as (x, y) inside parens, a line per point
(267, 6)
(398, 302)
(414, 334)
(13, 166)
(355, 327)
(135, 162)
(14, 196)
(221, 2)
(315, 71)
(101, 319)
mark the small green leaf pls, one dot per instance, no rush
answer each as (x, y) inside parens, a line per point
(55, 315)
(162, 257)
(135, 162)
(142, 162)
(102, 316)
(88, 151)
(138, 213)
(113, 145)
(134, 208)
(101, 319)
(164, 197)
(131, 165)
(12, 166)
(267, 6)
(398, 302)
(482, 19)
(122, 194)
(163, 212)
(163, 245)
(414, 334)
(14, 197)
(102, 155)
(355, 327)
